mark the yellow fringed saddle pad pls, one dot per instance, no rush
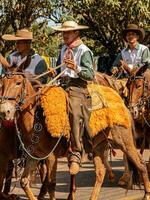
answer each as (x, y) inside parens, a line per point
(111, 110)
(54, 104)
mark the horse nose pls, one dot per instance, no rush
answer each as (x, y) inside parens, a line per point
(2, 115)
(135, 113)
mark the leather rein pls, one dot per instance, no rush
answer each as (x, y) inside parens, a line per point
(144, 100)
(21, 96)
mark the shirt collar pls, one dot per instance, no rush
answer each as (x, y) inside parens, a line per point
(136, 47)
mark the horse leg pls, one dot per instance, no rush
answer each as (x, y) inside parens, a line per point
(8, 177)
(111, 175)
(49, 183)
(100, 170)
(123, 137)
(71, 195)
(3, 168)
(42, 170)
(30, 166)
(126, 175)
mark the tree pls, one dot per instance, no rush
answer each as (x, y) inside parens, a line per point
(107, 19)
(18, 14)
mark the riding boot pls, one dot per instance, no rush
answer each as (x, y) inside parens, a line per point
(74, 160)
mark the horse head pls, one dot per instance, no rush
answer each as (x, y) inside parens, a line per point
(138, 90)
(16, 94)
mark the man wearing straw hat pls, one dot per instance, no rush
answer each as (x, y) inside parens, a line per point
(135, 54)
(25, 58)
(78, 65)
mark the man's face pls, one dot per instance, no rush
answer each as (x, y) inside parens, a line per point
(22, 45)
(132, 37)
(69, 36)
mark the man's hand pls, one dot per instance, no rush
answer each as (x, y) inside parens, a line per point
(70, 64)
(53, 72)
(114, 70)
(123, 64)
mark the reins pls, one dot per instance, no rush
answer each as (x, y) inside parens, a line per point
(21, 102)
(27, 151)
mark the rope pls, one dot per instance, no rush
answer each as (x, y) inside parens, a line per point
(45, 73)
(146, 120)
(54, 79)
(28, 153)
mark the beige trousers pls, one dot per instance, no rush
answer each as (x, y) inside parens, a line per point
(79, 109)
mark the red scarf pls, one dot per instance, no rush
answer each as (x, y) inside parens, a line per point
(69, 53)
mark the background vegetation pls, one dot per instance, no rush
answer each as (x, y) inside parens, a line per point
(105, 18)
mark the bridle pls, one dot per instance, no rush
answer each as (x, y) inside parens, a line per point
(20, 97)
(37, 127)
(143, 101)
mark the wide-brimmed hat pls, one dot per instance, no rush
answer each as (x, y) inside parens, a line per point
(134, 28)
(69, 26)
(22, 34)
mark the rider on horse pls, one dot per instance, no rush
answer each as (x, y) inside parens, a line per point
(134, 55)
(24, 57)
(78, 60)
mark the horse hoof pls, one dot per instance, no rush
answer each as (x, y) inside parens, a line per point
(71, 197)
(124, 180)
(122, 183)
(41, 198)
(146, 197)
(111, 178)
(9, 196)
(52, 198)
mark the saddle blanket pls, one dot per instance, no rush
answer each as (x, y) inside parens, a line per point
(108, 109)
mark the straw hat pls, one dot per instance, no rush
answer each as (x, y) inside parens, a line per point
(134, 28)
(69, 26)
(22, 34)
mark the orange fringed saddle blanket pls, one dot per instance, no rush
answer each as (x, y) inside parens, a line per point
(54, 104)
(112, 112)
(108, 109)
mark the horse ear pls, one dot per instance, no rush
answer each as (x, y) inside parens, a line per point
(142, 69)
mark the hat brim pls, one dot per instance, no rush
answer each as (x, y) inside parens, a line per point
(64, 29)
(14, 38)
(139, 32)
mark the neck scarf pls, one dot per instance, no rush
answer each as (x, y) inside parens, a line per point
(69, 53)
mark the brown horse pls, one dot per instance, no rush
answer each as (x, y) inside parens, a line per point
(38, 143)
(139, 93)
(8, 109)
(8, 152)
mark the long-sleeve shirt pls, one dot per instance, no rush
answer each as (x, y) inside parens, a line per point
(136, 57)
(83, 57)
(36, 66)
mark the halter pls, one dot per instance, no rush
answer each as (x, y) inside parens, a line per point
(37, 127)
(21, 101)
(144, 99)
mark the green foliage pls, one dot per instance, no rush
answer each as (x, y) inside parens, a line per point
(18, 14)
(45, 42)
(106, 20)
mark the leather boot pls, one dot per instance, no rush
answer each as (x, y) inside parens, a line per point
(74, 159)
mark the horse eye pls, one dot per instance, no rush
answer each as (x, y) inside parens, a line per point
(138, 86)
(18, 83)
